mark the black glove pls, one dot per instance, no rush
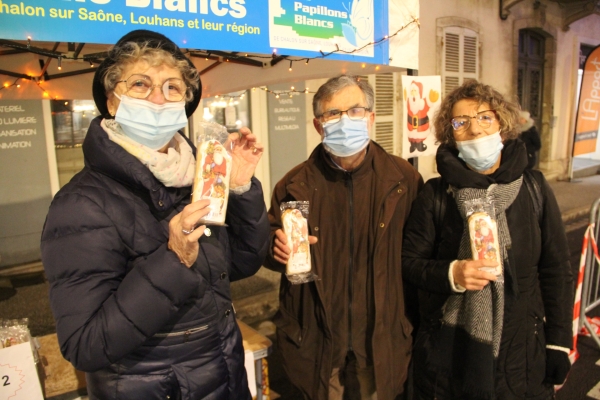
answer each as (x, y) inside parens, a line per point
(557, 366)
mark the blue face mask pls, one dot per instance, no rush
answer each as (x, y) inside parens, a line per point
(481, 154)
(345, 137)
(149, 124)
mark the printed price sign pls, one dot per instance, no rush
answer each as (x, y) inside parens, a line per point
(18, 376)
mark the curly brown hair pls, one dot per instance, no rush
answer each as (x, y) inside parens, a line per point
(507, 111)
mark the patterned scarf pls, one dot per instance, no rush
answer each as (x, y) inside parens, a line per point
(469, 339)
(175, 168)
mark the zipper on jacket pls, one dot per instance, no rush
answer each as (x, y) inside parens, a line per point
(349, 184)
(185, 334)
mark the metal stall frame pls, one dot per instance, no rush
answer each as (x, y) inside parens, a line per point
(590, 296)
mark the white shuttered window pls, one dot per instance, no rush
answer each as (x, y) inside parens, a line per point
(460, 57)
(385, 131)
(384, 111)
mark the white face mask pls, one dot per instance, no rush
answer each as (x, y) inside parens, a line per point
(481, 154)
(345, 137)
(149, 124)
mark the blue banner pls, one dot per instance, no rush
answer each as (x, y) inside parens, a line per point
(304, 28)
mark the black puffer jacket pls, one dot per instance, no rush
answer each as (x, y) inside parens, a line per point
(539, 314)
(141, 324)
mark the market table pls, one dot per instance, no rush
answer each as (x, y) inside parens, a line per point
(260, 346)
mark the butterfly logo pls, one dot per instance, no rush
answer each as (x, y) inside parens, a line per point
(361, 23)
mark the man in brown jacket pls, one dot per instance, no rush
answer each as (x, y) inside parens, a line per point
(347, 328)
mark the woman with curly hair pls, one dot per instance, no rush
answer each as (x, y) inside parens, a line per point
(486, 335)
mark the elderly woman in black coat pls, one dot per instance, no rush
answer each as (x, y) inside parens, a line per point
(139, 288)
(485, 335)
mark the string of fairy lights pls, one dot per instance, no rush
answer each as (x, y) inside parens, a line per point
(17, 84)
(230, 98)
(338, 50)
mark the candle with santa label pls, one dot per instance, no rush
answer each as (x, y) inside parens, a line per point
(213, 169)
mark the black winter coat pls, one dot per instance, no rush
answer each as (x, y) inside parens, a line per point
(141, 324)
(542, 312)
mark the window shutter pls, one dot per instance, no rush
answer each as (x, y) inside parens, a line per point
(385, 107)
(460, 57)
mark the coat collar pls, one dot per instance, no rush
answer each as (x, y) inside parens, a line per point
(386, 171)
(108, 158)
(456, 173)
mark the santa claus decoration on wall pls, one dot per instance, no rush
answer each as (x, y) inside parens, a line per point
(421, 97)
(417, 120)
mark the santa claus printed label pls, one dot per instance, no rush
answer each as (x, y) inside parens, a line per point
(295, 227)
(213, 168)
(483, 233)
(294, 221)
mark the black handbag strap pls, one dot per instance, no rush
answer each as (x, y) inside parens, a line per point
(535, 192)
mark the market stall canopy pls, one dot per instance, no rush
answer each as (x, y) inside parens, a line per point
(50, 48)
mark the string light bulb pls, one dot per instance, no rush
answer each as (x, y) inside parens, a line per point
(60, 63)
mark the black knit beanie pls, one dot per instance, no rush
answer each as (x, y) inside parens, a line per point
(154, 40)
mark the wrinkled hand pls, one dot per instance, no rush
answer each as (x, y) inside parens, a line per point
(467, 273)
(281, 251)
(557, 366)
(186, 246)
(246, 153)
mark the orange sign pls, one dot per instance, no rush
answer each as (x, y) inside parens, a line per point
(588, 112)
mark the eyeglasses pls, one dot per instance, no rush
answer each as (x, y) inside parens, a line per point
(140, 87)
(336, 115)
(484, 120)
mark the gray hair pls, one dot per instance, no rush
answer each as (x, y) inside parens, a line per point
(132, 52)
(334, 85)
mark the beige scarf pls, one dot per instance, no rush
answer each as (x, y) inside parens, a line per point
(175, 168)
